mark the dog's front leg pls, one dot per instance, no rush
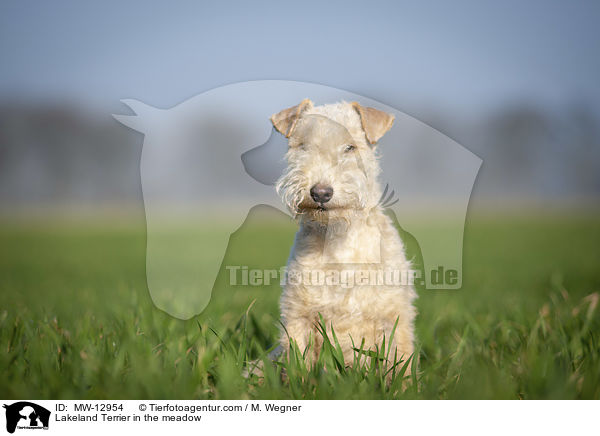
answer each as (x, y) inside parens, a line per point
(302, 332)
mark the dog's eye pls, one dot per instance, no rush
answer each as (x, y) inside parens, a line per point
(350, 147)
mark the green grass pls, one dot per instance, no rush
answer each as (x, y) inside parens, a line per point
(76, 320)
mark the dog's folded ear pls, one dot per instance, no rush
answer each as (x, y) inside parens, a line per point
(375, 123)
(285, 121)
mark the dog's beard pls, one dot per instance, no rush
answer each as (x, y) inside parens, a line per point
(328, 213)
(332, 221)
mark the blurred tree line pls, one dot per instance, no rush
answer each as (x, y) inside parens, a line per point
(58, 157)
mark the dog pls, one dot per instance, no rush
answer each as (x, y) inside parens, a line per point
(346, 246)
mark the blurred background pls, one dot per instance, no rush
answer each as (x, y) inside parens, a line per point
(515, 83)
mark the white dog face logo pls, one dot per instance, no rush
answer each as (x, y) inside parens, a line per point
(219, 152)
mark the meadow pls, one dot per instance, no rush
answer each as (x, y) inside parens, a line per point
(77, 321)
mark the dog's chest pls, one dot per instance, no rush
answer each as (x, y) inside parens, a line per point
(335, 272)
(358, 243)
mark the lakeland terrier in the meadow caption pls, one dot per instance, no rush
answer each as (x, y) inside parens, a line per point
(347, 269)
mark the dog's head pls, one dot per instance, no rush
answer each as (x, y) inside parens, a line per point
(332, 166)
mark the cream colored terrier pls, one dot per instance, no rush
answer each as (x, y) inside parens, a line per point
(331, 186)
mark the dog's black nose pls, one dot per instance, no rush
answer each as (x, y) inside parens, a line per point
(321, 193)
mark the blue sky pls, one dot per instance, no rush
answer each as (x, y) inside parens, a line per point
(456, 56)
